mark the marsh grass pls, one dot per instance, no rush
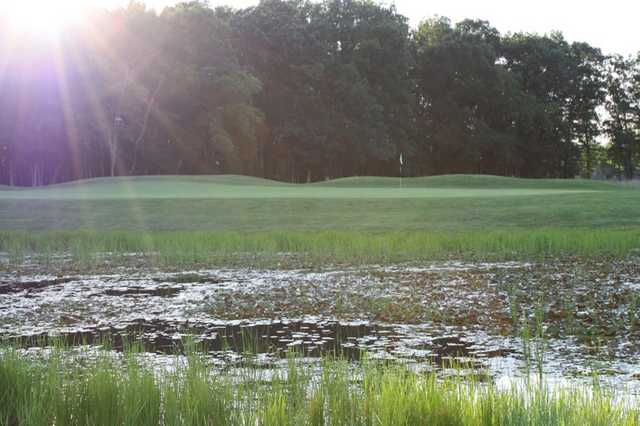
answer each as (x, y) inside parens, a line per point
(114, 391)
(87, 249)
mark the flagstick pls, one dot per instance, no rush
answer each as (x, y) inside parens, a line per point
(401, 162)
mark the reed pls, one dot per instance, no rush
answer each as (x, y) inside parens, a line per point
(113, 391)
(189, 248)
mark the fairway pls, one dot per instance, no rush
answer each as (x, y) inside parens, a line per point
(236, 203)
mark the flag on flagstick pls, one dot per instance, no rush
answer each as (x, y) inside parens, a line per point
(401, 164)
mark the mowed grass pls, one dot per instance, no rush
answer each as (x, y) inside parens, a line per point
(192, 218)
(243, 187)
(111, 392)
(237, 203)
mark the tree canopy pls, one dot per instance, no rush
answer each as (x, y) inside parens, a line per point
(302, 91)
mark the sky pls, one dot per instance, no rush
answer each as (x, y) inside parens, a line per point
(612, 25)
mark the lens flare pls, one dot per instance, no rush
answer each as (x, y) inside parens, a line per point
(44, 18)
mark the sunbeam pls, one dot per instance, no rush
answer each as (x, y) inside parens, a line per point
(43, 18)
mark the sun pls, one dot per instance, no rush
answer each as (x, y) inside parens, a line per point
(44, 18)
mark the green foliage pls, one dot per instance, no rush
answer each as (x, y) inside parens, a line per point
(303, 91)
(521, 105)
(47, 392)
(623, 107)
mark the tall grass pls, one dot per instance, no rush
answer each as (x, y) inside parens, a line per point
(180, 248)
(112, 392)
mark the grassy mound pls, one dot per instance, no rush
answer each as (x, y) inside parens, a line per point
(470, 181)
(243, 187)
(169, 179)
(441, 181)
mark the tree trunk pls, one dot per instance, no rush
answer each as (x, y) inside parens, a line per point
(113, 151)
(145, 122)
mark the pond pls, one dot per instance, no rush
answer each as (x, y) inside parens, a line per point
(569, 319)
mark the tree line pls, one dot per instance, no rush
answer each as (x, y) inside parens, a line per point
(302, 91)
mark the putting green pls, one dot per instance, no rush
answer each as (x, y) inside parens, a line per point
(239, 187)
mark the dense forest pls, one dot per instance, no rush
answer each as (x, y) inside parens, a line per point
(302, 91)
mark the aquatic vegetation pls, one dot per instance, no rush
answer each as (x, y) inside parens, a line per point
(122, 391)
(564, 318)
(91, 250)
